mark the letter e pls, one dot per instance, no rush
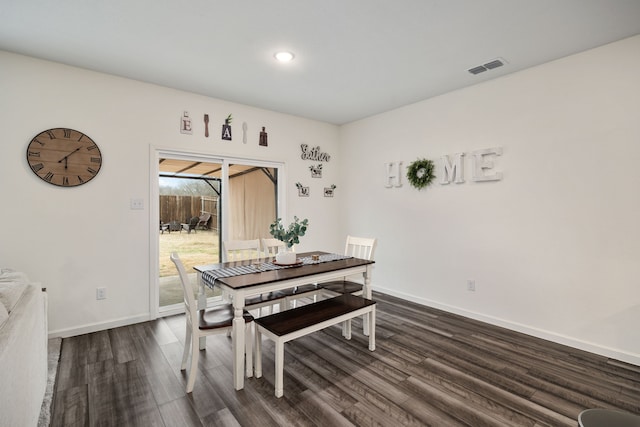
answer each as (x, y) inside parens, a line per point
(482, 163)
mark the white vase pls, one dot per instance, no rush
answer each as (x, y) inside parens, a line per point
(286, 256)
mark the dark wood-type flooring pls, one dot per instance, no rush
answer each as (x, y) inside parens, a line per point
(429, 368)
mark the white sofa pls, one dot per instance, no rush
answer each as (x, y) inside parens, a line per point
(23, 349)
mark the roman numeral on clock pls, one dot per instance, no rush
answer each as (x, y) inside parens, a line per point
(65, 180)
(48, 177)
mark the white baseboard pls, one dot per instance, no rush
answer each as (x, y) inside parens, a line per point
(98, 326)
(612, 353)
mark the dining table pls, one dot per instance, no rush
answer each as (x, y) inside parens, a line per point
(241, 279)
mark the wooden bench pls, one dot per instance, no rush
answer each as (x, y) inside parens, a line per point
(291, 324)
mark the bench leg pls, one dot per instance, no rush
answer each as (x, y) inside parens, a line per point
(279, 368)
(372, 328)
(346, 329)
(258, 353)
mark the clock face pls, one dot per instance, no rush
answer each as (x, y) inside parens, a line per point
(64, 157)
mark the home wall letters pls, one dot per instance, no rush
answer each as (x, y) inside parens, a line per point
(452, 168)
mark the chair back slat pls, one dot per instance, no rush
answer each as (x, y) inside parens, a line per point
(270, 247)
(360, 247)
(236, 250)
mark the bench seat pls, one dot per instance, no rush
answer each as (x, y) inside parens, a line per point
(297, 322)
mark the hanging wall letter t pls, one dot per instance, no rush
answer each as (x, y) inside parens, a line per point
(393, 174)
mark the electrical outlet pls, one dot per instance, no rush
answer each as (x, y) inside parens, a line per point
(471, 285)
(101, 293)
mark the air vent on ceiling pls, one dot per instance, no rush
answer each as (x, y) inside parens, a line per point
(499, 62)
(477, 70)
(494, 64)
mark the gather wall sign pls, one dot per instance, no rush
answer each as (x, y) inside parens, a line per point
(452, 168)
(314, 154)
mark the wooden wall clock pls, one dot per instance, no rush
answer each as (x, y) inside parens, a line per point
(64, 157)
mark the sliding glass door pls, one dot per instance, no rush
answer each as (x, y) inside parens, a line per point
(203, 201)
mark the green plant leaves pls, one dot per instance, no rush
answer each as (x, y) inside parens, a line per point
(290, 236)
(420, 173)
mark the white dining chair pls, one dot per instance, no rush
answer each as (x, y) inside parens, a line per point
(236, 250)
(201, 323)
(357, 247)
(270, 247)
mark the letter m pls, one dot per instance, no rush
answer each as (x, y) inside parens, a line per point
(452, 171)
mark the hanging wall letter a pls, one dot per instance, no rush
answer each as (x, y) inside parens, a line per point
(226, 128)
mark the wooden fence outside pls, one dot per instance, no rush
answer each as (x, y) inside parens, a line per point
(181, 208)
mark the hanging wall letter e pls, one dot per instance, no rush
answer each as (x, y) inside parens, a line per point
(393, 174)
(185, 123)
(482, 163)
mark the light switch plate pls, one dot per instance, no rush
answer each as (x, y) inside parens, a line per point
(137, 204)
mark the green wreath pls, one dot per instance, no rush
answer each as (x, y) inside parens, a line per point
(420, 173)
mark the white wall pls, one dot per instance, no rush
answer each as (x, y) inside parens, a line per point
(75, 240)
(554, 246)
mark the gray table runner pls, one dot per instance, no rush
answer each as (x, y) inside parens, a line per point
(210, 276)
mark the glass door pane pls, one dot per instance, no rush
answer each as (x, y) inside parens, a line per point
(203, 201)
(252, 201)
(189, 210)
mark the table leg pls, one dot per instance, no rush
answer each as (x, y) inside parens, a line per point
(366, 293)
(238, 344)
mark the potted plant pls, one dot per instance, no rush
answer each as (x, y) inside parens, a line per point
(290, 236)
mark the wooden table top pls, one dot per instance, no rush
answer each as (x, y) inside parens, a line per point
(295, 272)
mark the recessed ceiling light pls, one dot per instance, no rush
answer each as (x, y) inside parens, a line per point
(284, 56)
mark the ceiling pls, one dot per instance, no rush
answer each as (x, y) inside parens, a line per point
(354, 58)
